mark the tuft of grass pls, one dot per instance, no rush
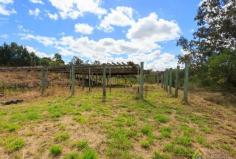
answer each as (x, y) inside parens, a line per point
(146, 143)
(80, 119)
(81, 145)
(119, 143)
(158, 155)
(201, 140)
(55, 150)
(72, 155)
(165, 132)
(162, 118)
(179, 150)
(13, 143)
(183, 140)
(147, 130)
(89, 154)
(61, 136)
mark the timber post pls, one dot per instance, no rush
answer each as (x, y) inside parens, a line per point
(176, 82)
(72, 80)
(110, 81)
(186, 78)
(89, 78)
(43, 80)
(141, 79)
(170, 81)
(104, 84)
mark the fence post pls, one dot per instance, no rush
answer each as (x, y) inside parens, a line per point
(104, 84)
(72, 80)
(157, 76)
(89, 78)
(186, 74)
(176, 82)
(43, 80)
(110, 82)
(170, 80)
(141, 81)
(167, 79)
(162, 80)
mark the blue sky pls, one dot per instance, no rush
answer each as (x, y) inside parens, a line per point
(104, 30)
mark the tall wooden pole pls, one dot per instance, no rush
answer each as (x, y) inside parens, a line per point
(104, 84)
(176, 82)
(186, 74)
(141, 78)
(89, 78)
(110, 82)
(170, 80)
(72, 79)
(44, 77)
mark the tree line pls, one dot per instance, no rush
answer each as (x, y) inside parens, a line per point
(212, 50)
(17, 55)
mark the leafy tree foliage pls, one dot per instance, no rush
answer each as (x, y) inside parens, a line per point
(16, 55)
(213, 47)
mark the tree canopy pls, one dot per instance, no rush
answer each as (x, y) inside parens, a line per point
(212, 49)
(17, 55)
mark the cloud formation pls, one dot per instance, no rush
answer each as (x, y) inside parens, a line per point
(120, 16)
(83, 28)
(4, 7)
(73, 9)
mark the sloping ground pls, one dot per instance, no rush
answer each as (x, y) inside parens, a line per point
(160, 127)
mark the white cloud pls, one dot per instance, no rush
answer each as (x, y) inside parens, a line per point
(4, 9)
(38, 53)
(37, 1)
(6, 1)
(73, 9)
(34, 12)
(120, 16)
(47, 41)
(153, 29)
(53, 16)
(83, 28)
(4, 36)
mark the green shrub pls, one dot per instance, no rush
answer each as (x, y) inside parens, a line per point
(55, 150)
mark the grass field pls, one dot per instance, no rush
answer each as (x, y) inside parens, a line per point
(161, 127)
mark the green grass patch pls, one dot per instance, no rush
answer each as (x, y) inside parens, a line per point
(147, 130)
(158, 155)
(72, 155)
(162, 118)
(81, 145)
(55, 150)
(179, 150)
(183, 140)
(89, 154)
(12, 143)
(165, 132)
(61, 136)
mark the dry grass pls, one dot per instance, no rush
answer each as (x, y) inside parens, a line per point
(121, 128)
